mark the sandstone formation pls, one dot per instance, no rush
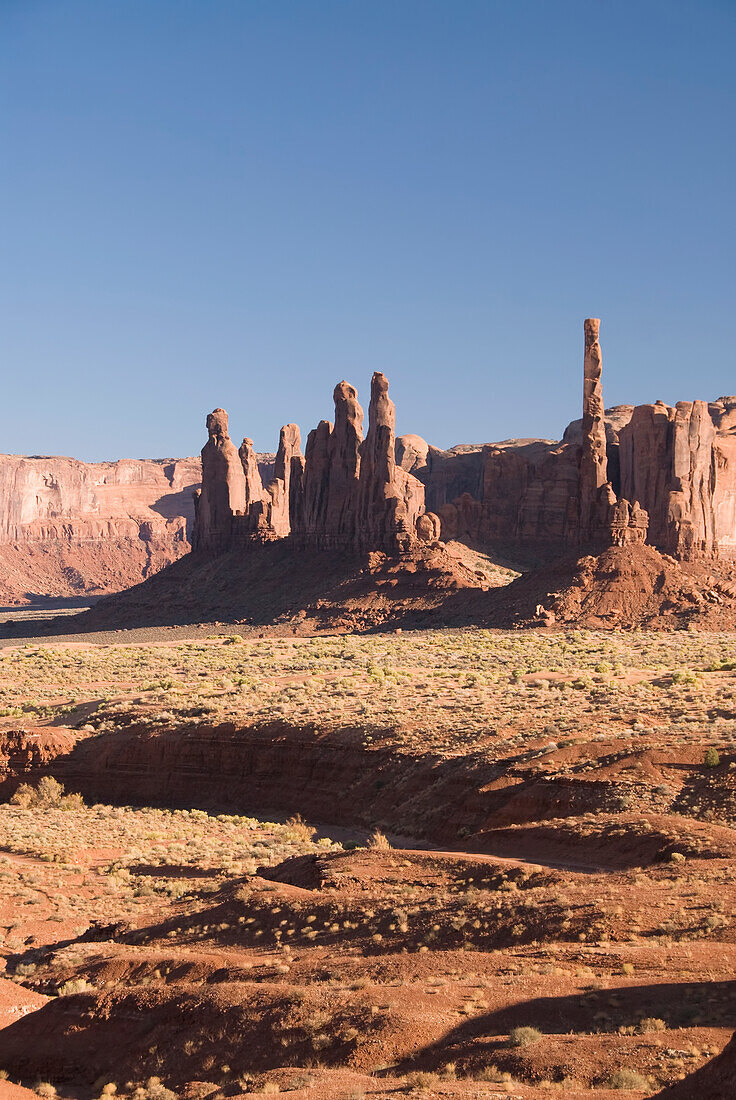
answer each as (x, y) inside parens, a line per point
(253, 481)
(70, 528)
(655, 474)
(389, 500)
(652, 473)
(222, 495)
(593, 458)
(332, 473)
(668, 459)
(345, 493)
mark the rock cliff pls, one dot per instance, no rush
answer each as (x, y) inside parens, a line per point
(70, 528)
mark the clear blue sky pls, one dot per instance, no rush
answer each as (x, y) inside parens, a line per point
(240, 202)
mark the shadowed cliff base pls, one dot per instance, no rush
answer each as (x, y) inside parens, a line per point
(716, 1080)
(432, 586)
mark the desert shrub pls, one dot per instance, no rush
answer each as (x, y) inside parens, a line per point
(494, 1074)
(46, 1090)
(154, 1090)
(421, 1079)
(628, 1079)
(23, 797)
(712, 758)
(650, 1023)
(378, 842)
(74, 985)
(47, 795)
(524, 1036)
(299, 828)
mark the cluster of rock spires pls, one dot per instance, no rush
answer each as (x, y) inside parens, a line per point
(655, 474)
(346, 492)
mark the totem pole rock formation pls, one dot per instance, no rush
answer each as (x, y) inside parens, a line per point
(596, 493)
(389, 500)
(223, 487)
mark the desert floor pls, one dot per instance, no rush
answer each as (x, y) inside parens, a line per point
(435, 863)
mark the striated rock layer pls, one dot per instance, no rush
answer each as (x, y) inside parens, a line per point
(69, 527)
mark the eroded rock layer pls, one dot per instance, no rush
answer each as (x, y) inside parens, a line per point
(70, 528)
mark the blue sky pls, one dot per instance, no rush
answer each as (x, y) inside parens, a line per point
(240, 202)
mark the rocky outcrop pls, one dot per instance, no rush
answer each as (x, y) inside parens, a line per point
(346, 492)
(222, 495)
(669, 460)
(598, 509)
(390, 500)
(655, 473)
(593, 459)
(332, 473)
(541, 496)
(650, 473)
(251, 472)
(285, 491)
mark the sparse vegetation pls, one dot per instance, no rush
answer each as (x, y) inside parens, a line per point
(524, 1036)
(333, 958)
(48, 794)
(628, 1079)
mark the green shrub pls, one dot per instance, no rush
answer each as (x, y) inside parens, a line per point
(711, 758)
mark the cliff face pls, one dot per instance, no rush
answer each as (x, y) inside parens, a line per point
(46, 498)
(71, 528)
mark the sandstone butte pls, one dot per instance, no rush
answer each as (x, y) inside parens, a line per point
(651, 474)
